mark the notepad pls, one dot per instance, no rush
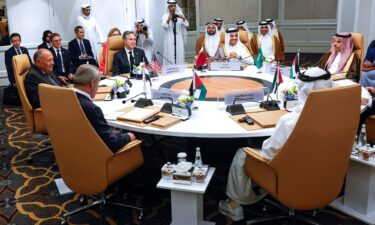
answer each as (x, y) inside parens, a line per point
(137, 114)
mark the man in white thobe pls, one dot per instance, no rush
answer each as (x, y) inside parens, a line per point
(239, 185)
(220, 25)
(144, 37)
(174, 52)
(91, 28)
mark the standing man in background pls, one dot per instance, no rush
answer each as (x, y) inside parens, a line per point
(80, 50)
(91, 28)
(174, 48)
(15, 49)
(144, 37)
(220, 25)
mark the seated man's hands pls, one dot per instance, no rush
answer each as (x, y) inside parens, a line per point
(70, 76)
(371, 90)
(368, 63)
(64, 80)
(233, 55)
(364, 101)
(132, 136)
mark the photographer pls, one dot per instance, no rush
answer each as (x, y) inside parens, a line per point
(144, 37)
(175, 31)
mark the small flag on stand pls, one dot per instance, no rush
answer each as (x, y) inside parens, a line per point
(259, 58)
(201, 59)
(277, 80)
(294, 68)
(200, 90)
(155, 65)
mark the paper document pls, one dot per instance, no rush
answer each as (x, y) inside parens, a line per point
(138, 114)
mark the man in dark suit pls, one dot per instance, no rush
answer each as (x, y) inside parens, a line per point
(40, 72)
(16, 49)
(86, 83)
(80, 49)
(63, 67)
(124, 60)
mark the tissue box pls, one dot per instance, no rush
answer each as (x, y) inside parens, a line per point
(182, 177)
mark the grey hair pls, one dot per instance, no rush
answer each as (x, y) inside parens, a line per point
(85, 74)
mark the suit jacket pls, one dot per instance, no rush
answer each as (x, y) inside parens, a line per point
(121, 63)
(35, 77)
(68, 66)
(8, 61)
(75, 52)
(43, 45)
(95, 115)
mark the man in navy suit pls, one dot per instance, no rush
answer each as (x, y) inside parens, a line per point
(40, 72)
(16, 49)
(63, 67)
(86, 83)
(124, 60)
(80, 49)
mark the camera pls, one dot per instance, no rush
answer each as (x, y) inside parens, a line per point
(144, 29)
(174, 17)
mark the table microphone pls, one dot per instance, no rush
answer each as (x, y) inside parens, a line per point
(142, 93)
(164, 58)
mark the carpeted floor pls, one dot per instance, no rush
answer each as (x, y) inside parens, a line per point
(28, 194)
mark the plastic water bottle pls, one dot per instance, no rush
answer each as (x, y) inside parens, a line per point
(198, 158)
(362, 140)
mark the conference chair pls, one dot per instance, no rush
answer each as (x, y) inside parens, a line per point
(114, 44)
(86, 164)
(358, 42)
(34, 117)
(307, 173)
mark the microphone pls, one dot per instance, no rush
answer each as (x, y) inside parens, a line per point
(142, 93)
(164, 57)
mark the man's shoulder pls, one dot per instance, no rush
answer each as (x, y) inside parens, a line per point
(86, 104)
(9, 50)
(24, 49)
(33, 73)
(136, 49)
(72, 42)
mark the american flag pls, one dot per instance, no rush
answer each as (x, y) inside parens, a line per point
(155, 65)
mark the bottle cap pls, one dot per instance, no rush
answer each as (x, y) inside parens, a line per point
(181, 155)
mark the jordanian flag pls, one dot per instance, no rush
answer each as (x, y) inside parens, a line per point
(277, 80)
(200, 90)
(259, 58)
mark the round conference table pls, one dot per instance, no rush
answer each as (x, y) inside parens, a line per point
(210, 120)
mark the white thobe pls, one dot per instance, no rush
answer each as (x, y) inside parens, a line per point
(239, 184)
(146, 43)
(266, 45)
(335, 64)
(169, 51)
(92, 31)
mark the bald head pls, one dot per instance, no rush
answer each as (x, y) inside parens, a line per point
(43, 60)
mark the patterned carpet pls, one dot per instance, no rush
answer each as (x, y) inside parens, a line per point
(28, 194)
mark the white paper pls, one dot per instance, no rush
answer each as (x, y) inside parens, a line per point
(61, 186)
(113, 115)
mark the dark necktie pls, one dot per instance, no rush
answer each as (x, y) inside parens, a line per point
(131, 60)
(19, 52)
(59, 62)
(83, 51)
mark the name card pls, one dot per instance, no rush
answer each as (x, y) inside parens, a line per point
(244, 96)
(172, 69)
(225, 66)
(165, 93)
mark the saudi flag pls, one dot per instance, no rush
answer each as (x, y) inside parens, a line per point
(259, 58)
(200, 90)
(277, 80)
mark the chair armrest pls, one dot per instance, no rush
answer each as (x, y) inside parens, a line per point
(255, 154)
(130, 145)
